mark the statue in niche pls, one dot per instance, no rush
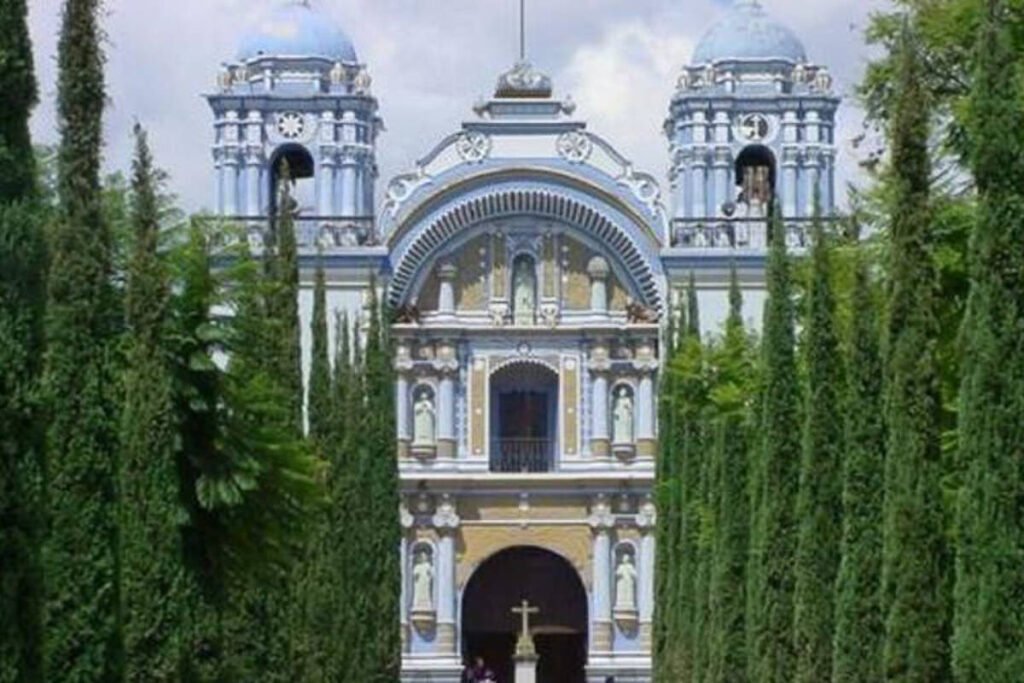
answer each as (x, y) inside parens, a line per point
(625, 584)
(423, 583)
(623, 417)
(524, 291)
(423, 431)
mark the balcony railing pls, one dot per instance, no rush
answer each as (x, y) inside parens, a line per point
(521, 456)
(736, 233)
(311, 232)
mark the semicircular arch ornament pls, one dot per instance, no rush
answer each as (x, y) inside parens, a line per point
(545, 203)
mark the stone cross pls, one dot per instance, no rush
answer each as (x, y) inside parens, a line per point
(524, 646)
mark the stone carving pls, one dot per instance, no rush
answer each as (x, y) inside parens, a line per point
(337, 74)
(224, 79)
(407, 314)
(362, 82)
(625, 585)
(574, 146)
(473, 146)
(424, 427)
(710, 77)
(800, 73)
(423, 583)
(638, 314)
(622, 417)
(685, 82)
(823, 81)
(498, 313)
(524, 292)
(523, 81)
(549, 315)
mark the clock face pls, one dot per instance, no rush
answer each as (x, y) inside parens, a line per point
(290, 125)
(754, 127)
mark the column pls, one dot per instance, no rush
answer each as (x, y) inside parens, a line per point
(723, 161)
(252, 183)
(601, 522)
(646, 445)
(407, 521)
(402, 412)
(600, 441)
(700, 184)
(325, 184)
(598, 270)
(231, 182)
(447, 273)
(647, 524)
(790, 163)
(448, 368)
(446, 522)
(348, 183)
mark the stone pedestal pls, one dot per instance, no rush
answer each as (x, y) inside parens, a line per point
(526, 668)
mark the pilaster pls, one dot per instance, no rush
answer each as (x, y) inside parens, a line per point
(602, 522)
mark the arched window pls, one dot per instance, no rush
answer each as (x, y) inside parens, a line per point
(301, 169)
(755, 177)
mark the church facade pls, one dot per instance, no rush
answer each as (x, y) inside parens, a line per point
(533, 270)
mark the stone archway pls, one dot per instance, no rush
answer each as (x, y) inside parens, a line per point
(547, 581)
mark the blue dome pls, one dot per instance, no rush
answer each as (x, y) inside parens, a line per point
(748, 33)
(296, 30)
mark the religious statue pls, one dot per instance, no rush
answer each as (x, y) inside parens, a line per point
(242, 75)
(423, 432)
(800, 73)
(524, 282)
(362, 82)
(337, 74)
(623, 417)
(224, 79)
(423, 583)
(823, 80)
(625, 584)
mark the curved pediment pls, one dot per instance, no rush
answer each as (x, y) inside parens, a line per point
(527, 208)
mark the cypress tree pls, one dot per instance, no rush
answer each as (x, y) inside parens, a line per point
(819, 504)
(151, 510)
(282, 298)
(320, 365)
(987, 643)
(692, 308)
(380, 467)
(915, 563)
(859, 625)
(81, 554)
(775, 536)
(22, 304)
(730, 395)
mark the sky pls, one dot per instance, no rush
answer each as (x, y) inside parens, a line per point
(430, 61)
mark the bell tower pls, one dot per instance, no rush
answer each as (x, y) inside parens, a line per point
(296, 92)
(752, 122)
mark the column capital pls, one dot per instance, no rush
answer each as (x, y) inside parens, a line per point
(647, 517)
(445, 518)
(447, 271)
(601, 517)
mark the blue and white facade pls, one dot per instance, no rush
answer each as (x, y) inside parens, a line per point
(533, 269)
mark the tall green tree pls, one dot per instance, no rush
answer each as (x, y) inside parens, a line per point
(915, 569)
(81, 555)
(319, 400)
(22, 305)
(990, 541)
(819, 503)
(692, 308)
(281, 261)
(730, 398)
(151, 512)
(379, 469)
(775, 535)
(859, 626)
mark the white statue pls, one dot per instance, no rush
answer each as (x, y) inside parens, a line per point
(800, 73)
(823, 80)
(337, 74)
(362, 82)
(423, 432)
(224, 79)
(625, 585)
(523, 292)
(423, 583)
(622, 416)
(242, 75)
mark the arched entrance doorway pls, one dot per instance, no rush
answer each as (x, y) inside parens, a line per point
(547, 581)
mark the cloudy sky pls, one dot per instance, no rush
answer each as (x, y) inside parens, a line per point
(431, 59)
